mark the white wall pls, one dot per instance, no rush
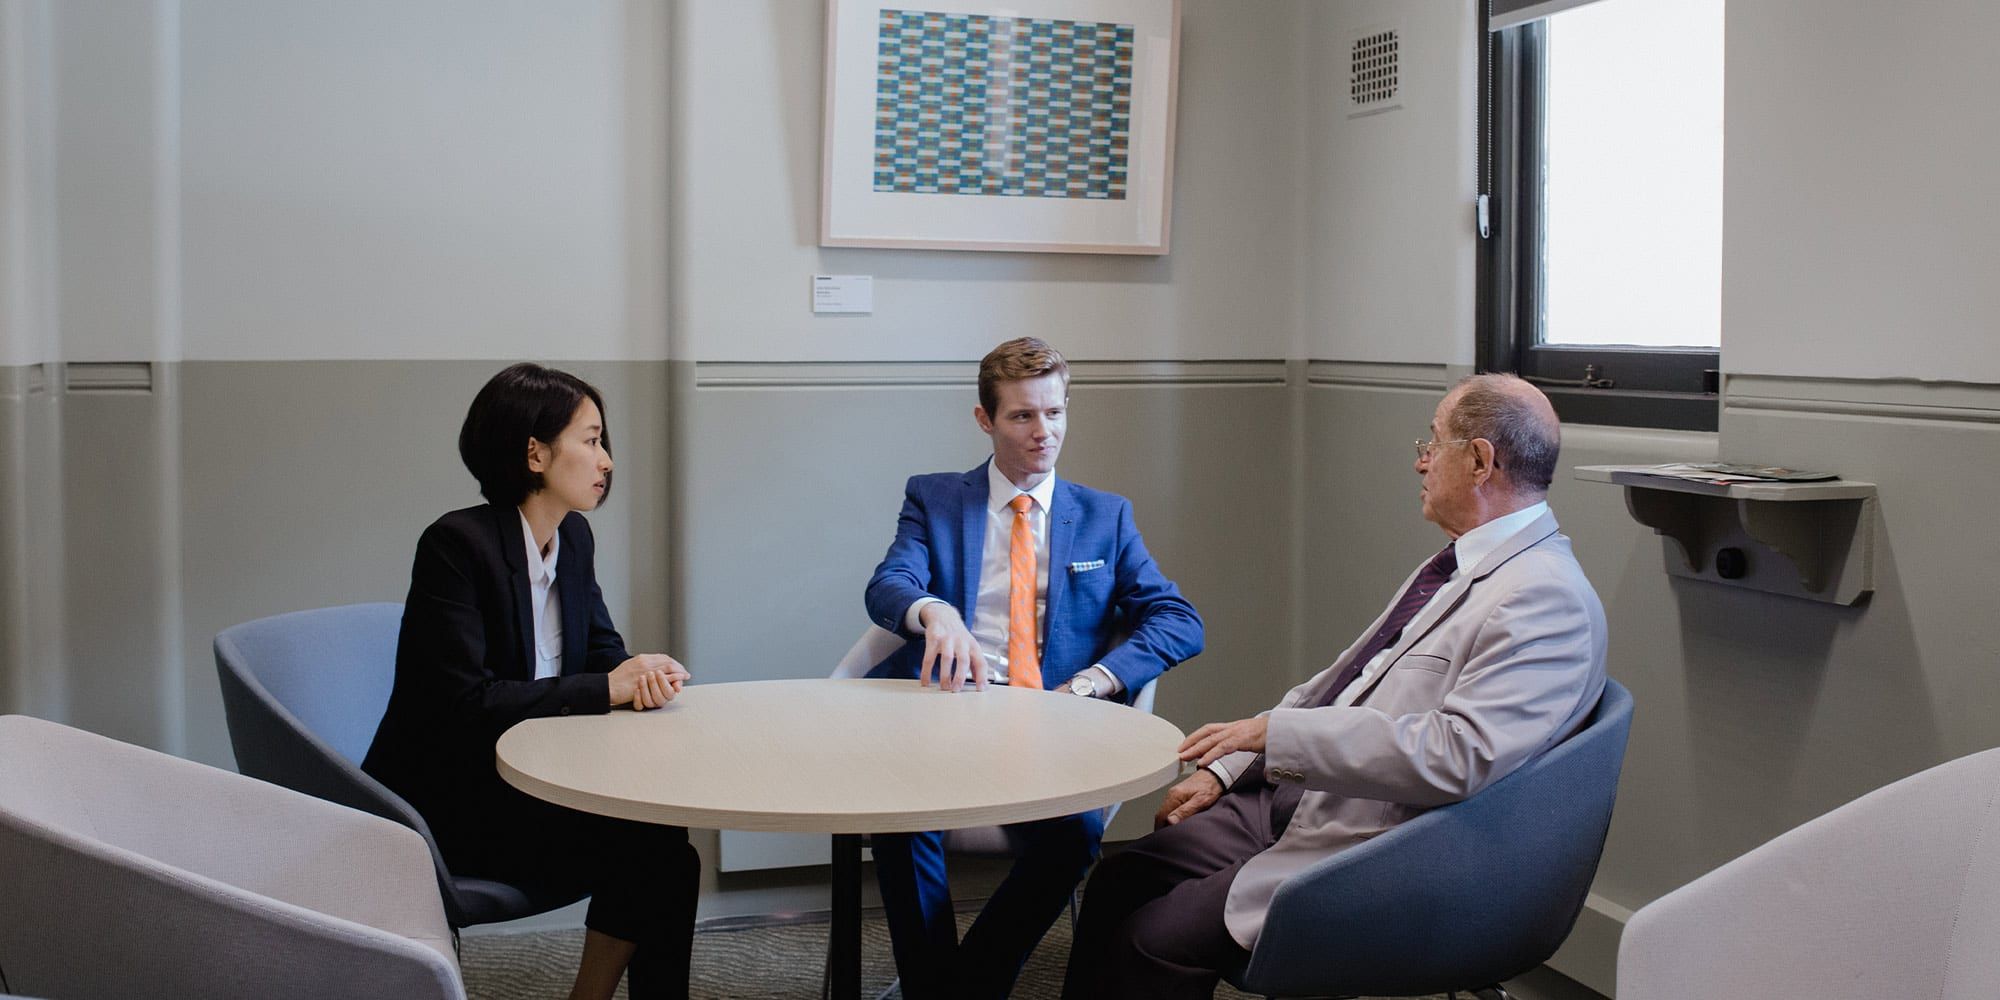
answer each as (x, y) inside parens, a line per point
(746, 114)
(1861, 223)
(1389, 260)
(27, 197)
(115, 150)
(242, 180)
(458, 178)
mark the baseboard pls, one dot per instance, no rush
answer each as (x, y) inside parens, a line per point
(1590, 955)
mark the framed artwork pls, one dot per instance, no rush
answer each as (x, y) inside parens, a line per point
(1041, 125)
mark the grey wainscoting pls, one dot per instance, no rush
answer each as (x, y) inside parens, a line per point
(87, 548)
(32, 676)
(1909, 678)
(790, 477)
(121, 549)
(1757, 712)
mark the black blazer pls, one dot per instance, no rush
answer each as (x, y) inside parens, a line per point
(465, 668)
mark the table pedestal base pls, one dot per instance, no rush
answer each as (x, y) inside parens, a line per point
(843, 951)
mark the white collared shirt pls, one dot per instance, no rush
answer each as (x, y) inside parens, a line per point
(990, 605)
(544, 604)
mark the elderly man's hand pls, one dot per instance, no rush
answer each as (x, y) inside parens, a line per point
(1197, 792)
(1220, 739)
(950, 649)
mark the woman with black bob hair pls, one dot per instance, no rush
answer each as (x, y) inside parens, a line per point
(505, 622)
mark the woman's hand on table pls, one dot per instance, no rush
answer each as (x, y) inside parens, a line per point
(647, 680)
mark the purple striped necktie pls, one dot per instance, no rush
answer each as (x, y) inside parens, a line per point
(1434, 575)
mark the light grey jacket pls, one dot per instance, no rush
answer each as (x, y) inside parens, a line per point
(1503, 664)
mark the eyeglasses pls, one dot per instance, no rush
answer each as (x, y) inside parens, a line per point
(1425, 449)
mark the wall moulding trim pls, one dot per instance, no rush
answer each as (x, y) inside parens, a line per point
(1378, 375)
(108, 376)
(1906, 399)
(23, 381)
(919, 374)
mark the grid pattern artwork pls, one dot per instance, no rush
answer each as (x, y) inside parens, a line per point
(979, 105)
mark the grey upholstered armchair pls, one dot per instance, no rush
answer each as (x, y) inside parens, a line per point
(1895, 894)
(133, 873)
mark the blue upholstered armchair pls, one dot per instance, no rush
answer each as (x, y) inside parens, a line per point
(1461, 897)
(303, 694)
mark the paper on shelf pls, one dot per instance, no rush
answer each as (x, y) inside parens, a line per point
(1722, 473)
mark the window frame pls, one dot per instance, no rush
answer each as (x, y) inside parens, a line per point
(1650, 387)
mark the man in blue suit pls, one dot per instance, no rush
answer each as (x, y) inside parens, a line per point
(1011, 576)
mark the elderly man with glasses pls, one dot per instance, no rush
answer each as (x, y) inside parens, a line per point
(1491, 653)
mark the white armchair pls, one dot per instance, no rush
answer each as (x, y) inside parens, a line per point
(134, 873)
(1896, 894)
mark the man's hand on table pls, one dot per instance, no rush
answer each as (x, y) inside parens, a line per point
(647, 680)
(949, 649)
(1220, 739)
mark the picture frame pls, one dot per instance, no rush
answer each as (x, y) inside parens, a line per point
(1031, 125)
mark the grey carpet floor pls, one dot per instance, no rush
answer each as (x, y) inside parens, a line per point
(754, 963)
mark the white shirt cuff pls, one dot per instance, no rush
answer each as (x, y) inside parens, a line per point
(1107, 682)
(911, 621)
(1222, 773)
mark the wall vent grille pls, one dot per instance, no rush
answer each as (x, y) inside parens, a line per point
(1374, 77)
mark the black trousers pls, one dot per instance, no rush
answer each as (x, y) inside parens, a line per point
(1151, 926)
(641, 878)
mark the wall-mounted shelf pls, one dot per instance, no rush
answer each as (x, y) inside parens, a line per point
(1809, 540)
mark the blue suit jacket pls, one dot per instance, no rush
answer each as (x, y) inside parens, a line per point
(1102, 582)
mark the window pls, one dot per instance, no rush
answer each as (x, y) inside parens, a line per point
(1601, 277)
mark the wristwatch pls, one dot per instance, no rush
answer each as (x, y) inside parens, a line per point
(1084, 684)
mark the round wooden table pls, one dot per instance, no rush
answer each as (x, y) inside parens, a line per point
(844, 757)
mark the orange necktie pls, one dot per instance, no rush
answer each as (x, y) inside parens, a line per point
(1024, 668)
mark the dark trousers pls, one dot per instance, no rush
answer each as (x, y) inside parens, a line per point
(641, 878)
(923, 931)
(1152, 925)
